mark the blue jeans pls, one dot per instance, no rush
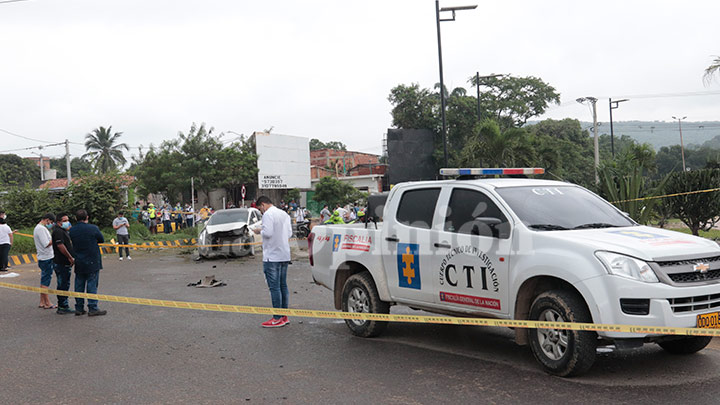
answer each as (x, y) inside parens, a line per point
(87, 283)
(46, 270)
(63, 283)
(276, 277)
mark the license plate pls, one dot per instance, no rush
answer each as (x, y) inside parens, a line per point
(709, 321)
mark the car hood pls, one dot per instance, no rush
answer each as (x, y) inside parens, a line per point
(642, 242)
(224, 227)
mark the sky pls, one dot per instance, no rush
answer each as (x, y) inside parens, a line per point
(324, 69)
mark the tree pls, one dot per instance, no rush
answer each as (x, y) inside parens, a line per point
(78, 166)
(102, 150)
(513, 100)
(332, 191)
(293, 194)
(711, 70)
(237, 165)
(698, 211)
(618, 186)
(495, 148)
(100, 195)
(316, 144)
(16, 171)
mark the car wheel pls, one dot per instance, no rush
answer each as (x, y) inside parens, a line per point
(686, 345)
(562, 352)
(360, 295)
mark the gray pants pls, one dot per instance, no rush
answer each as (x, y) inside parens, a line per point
(123, 240)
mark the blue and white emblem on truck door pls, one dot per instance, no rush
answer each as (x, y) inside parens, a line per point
(408, 262)
(336, 242)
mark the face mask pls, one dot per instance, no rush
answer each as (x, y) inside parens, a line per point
(66, 225)
(49, 226)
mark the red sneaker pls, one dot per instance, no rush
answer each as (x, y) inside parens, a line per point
(286, 320)
(274, 323)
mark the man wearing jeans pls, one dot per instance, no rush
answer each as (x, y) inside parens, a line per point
(276, 232)
(121, 226)
(88, 262)
(43, 247)
(64, 260)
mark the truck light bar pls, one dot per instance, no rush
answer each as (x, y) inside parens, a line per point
(490, 171)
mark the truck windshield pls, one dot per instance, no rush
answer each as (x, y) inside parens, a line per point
(561, 208)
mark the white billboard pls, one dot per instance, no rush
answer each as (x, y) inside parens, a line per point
(283, 161)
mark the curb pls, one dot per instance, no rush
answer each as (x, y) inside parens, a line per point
(30, 258)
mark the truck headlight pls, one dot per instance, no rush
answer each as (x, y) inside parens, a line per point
(626, 266)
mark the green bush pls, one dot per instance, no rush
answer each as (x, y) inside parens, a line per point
(100, 196)
(698, 211)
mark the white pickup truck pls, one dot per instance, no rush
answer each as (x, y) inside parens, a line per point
(522, 249)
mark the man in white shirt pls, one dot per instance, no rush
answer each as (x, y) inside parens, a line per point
(45, 255)
(276, 232)
(121, 226)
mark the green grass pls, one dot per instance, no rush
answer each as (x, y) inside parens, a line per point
(138, 234)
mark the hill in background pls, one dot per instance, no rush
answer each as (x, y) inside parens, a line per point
(664, 133)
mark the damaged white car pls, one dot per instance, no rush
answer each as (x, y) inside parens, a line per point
(229, 233)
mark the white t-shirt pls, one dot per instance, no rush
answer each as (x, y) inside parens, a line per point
(42, 239)
(276, 233)
(5, 232)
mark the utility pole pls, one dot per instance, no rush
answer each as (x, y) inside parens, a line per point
(613, 105)
(67, 162)
(192, 195)
(42, 169)
(443, 102)
(682, 146)
(593, 103)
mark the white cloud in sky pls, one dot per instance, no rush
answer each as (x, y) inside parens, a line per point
(324, 69)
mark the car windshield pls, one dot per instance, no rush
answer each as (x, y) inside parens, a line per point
(228, 216)
(561, 208)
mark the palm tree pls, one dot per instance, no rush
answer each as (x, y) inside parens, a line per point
(712, 69)
(102, 150)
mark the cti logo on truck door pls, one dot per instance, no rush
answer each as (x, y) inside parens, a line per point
(408, 261)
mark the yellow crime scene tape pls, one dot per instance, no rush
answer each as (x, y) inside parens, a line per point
(709, 190)
(149, 246)
(309, 313)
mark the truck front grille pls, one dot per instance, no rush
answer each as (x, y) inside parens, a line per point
(694, 304)
(688, 262)
(695, 276)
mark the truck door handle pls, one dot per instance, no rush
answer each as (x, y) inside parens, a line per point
(442, 245)
(392, 239)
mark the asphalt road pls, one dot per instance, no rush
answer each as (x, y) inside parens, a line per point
(139, 354)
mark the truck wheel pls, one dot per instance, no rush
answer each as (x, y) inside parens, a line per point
(360, 295)
(562, 352)
(687, 345)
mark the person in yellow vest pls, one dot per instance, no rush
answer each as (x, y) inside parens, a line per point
(204, 212)
(152, 213)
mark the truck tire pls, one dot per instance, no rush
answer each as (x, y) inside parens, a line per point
(360, 295)
(564, 353)
(687, 345)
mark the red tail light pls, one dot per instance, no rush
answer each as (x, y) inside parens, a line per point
(310, 239)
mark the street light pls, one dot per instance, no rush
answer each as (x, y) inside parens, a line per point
(613, 105)
(593, 102)
(682, 147)
(477, 83)
(438, 10)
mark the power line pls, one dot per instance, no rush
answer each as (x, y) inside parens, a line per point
(32, 147)
(23, 137)
(11, 1)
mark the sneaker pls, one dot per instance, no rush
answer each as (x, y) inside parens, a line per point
(274, 323)
(121, 259)
(286, 320)
(65, 311)
(78, 313)
(129, 258)
(97, 312)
